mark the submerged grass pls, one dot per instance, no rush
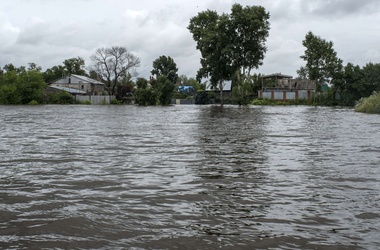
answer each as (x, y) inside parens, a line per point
(270, 102)
(369, 104)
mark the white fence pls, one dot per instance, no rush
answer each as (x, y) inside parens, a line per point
(95, 99)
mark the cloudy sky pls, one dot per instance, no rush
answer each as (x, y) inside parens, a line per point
(47, 32)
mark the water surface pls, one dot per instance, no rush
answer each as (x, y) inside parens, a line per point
(188, 177)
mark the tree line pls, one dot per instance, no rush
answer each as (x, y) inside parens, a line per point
(231, 45)
(351, 82)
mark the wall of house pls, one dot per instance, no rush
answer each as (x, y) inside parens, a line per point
(285, 94)
(88, 87)
(76, 83)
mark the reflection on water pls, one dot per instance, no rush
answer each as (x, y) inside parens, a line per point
(188, 177)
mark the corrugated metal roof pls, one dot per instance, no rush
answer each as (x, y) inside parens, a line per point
(87, 79)
(227, 86)
(70, 90)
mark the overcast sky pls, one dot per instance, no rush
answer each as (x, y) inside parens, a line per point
(47, 32)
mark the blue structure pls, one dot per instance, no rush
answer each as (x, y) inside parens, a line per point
(186, 89)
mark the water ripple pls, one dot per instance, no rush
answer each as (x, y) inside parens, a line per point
(188, 177)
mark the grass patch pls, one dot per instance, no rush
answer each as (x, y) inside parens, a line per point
(270, 102)
(369, 104)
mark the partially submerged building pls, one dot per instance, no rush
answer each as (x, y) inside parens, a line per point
(278, 86)
(77, 84)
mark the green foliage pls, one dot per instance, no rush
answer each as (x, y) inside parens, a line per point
(165, 66)
(21, 86)
(230, 42)
(264, 101)
(369, 104)
(322, 63)
(212, 35)
(74, 66)
(146, 96)
(33, 102)
(204, 97)
(116, 102)
(355, 82)
(141, 83)
(85, 102)
(324, 99)
(244, 88)
(250, 29)
(62, 97)
(54, 73)
(180, 95)
(70, 66)
(270, 102)
(164, 88)
(9, 95)
(31, 86)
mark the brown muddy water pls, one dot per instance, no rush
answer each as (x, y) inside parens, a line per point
(188, 177)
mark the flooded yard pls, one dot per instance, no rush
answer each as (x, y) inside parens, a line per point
(188, 177)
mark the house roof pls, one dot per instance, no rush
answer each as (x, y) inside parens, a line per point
(70, 90)
(78, 78)
(227, 86)
(87, 79)
(277, 75)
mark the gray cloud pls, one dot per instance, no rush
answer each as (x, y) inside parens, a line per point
(48, 32)
(340, 8)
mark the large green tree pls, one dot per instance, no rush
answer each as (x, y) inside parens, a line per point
(356, 82)
(212, 35)
(371, 72)
(54, 73)
(165, 66)
(21, 85)
(230, 43)
(70, 66)
(164, 88)
(145, 95)
(250, 27)
(113, 64)
(322, 63)
(75, 66)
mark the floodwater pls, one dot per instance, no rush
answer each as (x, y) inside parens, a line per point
(188, 177)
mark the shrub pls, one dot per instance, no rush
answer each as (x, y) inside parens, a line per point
(33, 102)
(202, 97)
(116, 102)
(369, 104)
(86, 102)
(61, 97)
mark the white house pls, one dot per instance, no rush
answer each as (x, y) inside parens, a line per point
(83, 84)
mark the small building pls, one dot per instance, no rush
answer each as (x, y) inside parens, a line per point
(227, 89)
(82, 83)
(283, 87)
(57, 89)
